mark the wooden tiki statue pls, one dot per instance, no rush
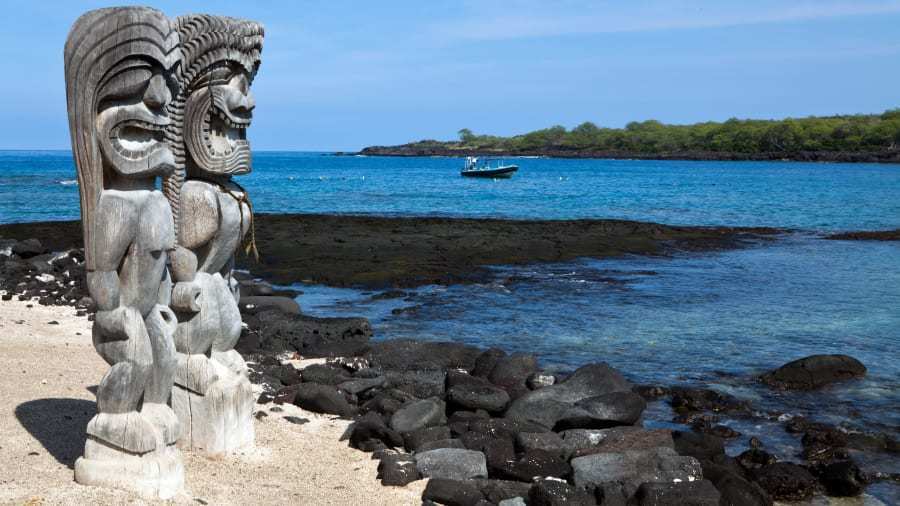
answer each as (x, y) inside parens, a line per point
(212, 394)
(120, 67)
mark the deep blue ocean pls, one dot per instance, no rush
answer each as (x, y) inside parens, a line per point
(710, 318)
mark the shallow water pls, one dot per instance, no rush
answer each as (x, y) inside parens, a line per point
(712, 318)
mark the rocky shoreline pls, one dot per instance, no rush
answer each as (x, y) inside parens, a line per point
(490, 428)
(867, 235)
(401, 252)
(798, 156)
(377, 252)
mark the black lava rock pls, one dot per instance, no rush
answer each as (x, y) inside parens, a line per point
(536, 463)
(387, 402)
(786, 482)
(686, 493)
(413, 440)
(409, 355)
(729, 478)
(397, 469)
(843, 478)
(722, 431)
(478, 396)
(513, 371)
(28, 248)
(418, 383)
(558, 493)
(548, 405)
(370, 432)
(460, 421)
(287, 374)
(324, 374)
(310, 336)
(546, 441)
(360, 385)
(604, 411)
(651, 392)
(322, 399)
(737, 491)
(486, 362)
(418, 414)
(452, 492)
(499, 490)
(441, 443)
(699, 446)
(498, 449)
(755, 458)
(451, 463)
(704, 399)
(814, 372)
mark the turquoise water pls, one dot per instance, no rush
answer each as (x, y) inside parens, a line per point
(40, 186)
(712, 318)
(717, 318)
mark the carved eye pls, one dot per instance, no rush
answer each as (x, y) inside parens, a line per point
(239, 81)
(128, 83)
(220, 75)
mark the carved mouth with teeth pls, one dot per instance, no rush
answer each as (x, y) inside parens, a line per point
(225, 133)
(136, 139)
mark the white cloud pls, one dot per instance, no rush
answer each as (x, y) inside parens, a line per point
(531, 19)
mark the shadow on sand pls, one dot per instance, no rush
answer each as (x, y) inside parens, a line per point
(59, 425)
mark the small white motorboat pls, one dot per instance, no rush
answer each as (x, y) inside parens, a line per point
(484, 168)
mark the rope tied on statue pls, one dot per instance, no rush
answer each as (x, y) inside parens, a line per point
(248, 245)
(243, 198)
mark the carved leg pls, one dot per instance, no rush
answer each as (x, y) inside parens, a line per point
(213, 396)
(161, 325)
(120, 337)
(229, 325)
(195, 333)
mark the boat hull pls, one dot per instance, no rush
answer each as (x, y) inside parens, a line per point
(499, 172)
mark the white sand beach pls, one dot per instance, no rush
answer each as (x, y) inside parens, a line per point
(47, 374)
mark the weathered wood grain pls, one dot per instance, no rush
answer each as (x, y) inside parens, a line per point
(212, 111)
(119, 65)
(152, 98)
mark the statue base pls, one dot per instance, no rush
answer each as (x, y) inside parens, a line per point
(219, 422)
(157, 474)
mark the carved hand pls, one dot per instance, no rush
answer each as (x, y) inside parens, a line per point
(184, 264)
(186, 297)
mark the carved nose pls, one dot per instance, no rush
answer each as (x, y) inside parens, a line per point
(249, 102)
(239, 102)
(157, 94)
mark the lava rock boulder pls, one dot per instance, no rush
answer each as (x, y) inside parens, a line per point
(322, 399)
(814, 372)
(452, 464)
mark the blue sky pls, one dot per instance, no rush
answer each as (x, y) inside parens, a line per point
(340, 75)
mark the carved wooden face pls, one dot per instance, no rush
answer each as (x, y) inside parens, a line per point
(132, 118)
(217, 115)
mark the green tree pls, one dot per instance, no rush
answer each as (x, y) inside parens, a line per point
(873, 132)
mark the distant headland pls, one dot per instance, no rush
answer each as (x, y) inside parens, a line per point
(850, 138)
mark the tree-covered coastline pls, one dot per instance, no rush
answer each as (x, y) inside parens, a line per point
(850, 138)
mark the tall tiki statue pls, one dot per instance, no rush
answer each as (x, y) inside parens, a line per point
(212, 394)
(120, 65)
